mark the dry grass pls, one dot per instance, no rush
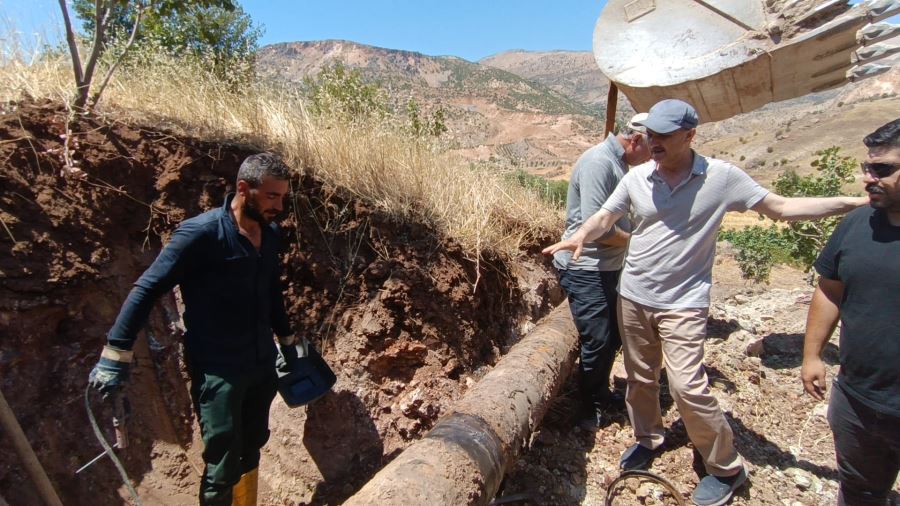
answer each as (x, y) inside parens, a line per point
(411, 180)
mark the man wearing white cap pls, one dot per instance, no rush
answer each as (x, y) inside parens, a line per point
(677, 201)
(590, 281)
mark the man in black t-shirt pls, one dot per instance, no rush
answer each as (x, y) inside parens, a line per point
(860, 286)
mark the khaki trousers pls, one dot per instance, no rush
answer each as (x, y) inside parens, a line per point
(651, 336)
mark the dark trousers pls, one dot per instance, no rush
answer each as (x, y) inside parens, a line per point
(867, 444)
(233, 410)
(592, 300)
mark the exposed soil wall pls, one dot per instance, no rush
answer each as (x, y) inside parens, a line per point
(405, 318)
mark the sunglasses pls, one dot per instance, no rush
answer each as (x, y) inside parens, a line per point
(879, 170)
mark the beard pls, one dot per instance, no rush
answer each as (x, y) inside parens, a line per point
(885, 201)
(251, 209)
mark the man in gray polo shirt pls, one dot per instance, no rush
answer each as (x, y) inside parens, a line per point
(677, 201)
(590, 282)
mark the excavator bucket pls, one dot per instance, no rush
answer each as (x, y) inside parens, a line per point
(728, 57)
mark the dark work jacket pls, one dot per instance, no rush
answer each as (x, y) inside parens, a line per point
(232, 293)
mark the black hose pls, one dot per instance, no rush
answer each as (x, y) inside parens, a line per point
(108, 449)
(666, 484)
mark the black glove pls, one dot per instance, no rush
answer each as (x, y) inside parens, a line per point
(111, 371)
(289, 350)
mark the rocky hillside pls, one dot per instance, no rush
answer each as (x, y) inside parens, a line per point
(571, 73)
(493, 114)
(417, 75)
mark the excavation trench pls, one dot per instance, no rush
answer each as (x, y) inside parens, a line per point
(464, 458)
(407, 320)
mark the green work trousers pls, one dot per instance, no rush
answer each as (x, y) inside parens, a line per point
(233, 410)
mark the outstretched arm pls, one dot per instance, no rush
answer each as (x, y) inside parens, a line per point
(824, 313)
(595, 227)
(806, 208)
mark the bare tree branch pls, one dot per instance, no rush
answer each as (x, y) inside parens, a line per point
(109, 73)
(102, 9)
(73, 45)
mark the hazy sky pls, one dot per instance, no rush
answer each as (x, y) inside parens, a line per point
(467, 28)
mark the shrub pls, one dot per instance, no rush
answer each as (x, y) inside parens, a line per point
(422, 126)
(341, 92)
(758, 249)
(833, 171)
(551, 191)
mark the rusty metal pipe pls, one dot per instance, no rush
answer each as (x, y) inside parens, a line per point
(26, 454)
(462, 460)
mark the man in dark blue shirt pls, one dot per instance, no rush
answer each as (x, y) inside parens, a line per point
(860, 286)
(225, 262)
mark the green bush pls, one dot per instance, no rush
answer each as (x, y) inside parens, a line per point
(833, 171)
(553, 192)
(339, 91)
(758, 249)
(418, 125)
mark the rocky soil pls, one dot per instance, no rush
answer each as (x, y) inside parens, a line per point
(753, 357)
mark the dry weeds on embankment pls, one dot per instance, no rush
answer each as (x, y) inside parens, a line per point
(409, 179)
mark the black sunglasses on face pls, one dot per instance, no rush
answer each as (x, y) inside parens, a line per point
(879, 170)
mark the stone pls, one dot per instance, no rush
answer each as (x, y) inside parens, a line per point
(755, 348)
(801, 478)
(821, 410)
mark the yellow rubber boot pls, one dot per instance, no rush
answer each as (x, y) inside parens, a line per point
(244, 493)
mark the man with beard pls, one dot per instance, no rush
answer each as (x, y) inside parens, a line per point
(226, 264)
(677, 202)
(859, 285)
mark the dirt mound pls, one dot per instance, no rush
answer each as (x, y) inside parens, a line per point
(406, 318)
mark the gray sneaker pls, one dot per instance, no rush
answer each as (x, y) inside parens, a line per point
(717, 490)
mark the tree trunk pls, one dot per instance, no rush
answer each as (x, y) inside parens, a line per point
(464, 458)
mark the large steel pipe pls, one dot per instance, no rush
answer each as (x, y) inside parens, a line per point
(464, 457)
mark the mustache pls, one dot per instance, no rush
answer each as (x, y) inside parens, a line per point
(873, 188)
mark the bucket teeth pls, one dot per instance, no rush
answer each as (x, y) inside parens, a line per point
(882, 9)
(866, 71)
(874, 52)
(825, 10)
(758, 51)
(877, 32)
